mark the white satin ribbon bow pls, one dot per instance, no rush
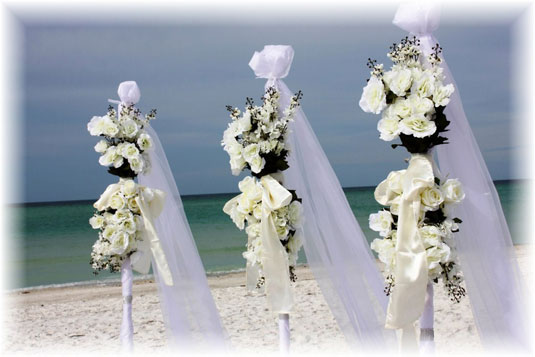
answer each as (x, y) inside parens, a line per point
(150, 202)
(410, 273)
(275, 258)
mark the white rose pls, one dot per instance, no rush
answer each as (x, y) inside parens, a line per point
(130, 151)
(109, 231)
(402, 108)
(110, 128)
(420, 105)
(398, 80)
(432, 198)
(129, 128)
(441, 95)
(381, 222)
(294, 214)
(144, 141)
(373, 99)
(117, 201)
(294, 245)
(234, 148)
(418, 126)
(108, 158)
(389, 129)
(97, 221)
(237, 164)
(119, 243)
(437, 255)
(250, 152)
(257, 164)
(425, 85)
(253, 230)
(230, 134)
(122, 215)
(244, 123)
(96, 126)
(453, 191)
(250, 187)
(132, 205)
(282, 230)
(129, 226)
(101, 146)
(128, 188)
(231, 208)
(136, 163)
(385, 248)
(430, 235)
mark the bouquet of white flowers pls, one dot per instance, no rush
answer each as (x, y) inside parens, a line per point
(117, 217)
(256, 140)
(412, 98)
(435, 229)
(120, 226)
(124, 143)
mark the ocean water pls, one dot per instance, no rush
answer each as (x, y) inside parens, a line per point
(55, 239)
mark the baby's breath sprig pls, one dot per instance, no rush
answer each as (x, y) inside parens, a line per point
(234, 112)
(376, 69)
(294, 103)
(434, 58)
(407, 51)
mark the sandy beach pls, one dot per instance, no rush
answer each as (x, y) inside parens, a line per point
(87, 318)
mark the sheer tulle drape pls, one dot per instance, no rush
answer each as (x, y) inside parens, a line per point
(189, 312)
(488, 260)
(484, 244)
(335, 246)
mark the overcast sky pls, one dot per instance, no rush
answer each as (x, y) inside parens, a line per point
(189, 73)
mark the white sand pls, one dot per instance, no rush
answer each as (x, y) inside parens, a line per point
(87, 318)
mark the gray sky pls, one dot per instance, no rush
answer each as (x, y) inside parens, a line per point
(189, 73)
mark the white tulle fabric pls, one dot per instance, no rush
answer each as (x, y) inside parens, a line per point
(484, 244)
(188, 309)
(335, 246)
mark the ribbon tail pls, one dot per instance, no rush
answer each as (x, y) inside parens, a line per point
(407, 301)
(275, 266)
(154, 242)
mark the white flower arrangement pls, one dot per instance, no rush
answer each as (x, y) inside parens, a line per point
(120, 227)
(245, 210)
(123, 150)
(124, 140)
(256, 140)
(411, 97)
(436, 231)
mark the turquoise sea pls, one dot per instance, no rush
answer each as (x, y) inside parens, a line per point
(55, 238)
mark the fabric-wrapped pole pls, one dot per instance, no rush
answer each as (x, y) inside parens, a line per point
(127, 326)
(484, 243)
(427, 331)
(335, 246)
(284, 334)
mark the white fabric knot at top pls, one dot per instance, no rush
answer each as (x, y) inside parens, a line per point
(129, 94)
(272, 63)
(420, 19)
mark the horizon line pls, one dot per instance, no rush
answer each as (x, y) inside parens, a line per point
(74, 201)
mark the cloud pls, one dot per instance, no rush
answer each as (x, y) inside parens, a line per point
(189, 73)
